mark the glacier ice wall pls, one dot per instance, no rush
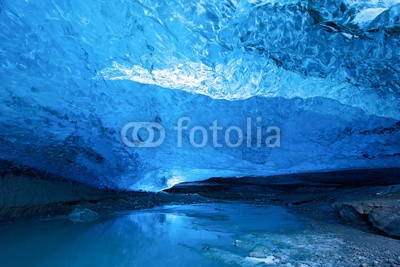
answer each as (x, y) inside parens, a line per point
(73, 73)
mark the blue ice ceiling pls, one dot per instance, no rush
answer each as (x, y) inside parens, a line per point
(73, 73)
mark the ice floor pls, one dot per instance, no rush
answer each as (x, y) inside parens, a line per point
(190, 235)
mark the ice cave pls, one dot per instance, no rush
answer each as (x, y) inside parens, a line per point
(200, 133)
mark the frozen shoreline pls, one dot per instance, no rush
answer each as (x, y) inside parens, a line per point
(322, 205)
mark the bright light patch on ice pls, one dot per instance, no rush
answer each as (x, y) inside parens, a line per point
(190, 75)
(367, 15)
(174, 180)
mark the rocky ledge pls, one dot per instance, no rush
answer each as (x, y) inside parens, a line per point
(382, 213)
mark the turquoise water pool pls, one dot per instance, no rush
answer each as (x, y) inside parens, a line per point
(190, 235)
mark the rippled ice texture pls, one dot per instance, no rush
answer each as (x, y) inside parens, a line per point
(73, 73)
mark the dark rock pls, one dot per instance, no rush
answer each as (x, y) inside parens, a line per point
(383, 214)
(387, 220)
(352, 212)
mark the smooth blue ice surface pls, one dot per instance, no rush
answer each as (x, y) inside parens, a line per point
(73, 73)
(220, 235)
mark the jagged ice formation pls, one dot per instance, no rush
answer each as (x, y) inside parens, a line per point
(73, 73)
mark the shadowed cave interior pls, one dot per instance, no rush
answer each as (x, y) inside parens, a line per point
(233, 132)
